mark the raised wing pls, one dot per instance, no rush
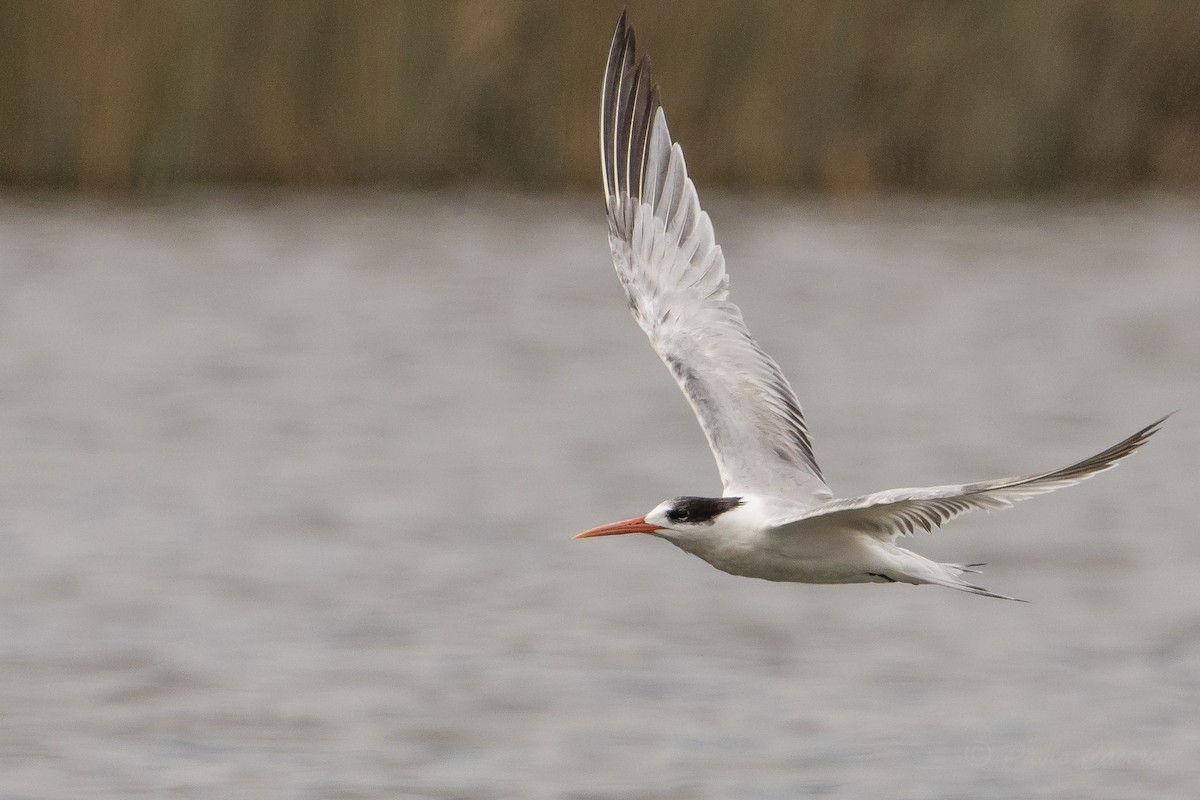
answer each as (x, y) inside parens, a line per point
(902, 511)
(674, 278)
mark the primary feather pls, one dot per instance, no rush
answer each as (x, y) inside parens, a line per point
(674, 277)
(895, 512)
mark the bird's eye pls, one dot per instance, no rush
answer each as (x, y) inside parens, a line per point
(680, 514)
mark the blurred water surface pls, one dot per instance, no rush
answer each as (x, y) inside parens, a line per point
(289, 482)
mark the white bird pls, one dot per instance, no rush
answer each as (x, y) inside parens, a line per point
(777, 519)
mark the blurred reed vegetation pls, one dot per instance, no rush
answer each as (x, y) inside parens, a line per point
(840, 96)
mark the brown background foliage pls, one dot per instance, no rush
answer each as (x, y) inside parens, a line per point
(961, 97)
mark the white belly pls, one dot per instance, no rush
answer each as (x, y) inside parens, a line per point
(826, 557)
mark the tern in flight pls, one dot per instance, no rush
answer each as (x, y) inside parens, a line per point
(777, 519)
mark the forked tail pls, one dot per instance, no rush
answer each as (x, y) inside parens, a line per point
(916, 569)
(951, 577)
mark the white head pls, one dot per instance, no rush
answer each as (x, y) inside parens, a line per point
(674, 520)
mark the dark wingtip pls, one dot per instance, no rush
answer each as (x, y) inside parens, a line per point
(1164, 418)
(1153, 427)
(629, 100)
(1141, 437)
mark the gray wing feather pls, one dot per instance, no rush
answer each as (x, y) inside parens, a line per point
(902, 511)
(674, 277)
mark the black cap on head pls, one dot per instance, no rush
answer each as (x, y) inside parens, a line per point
(700, 510)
